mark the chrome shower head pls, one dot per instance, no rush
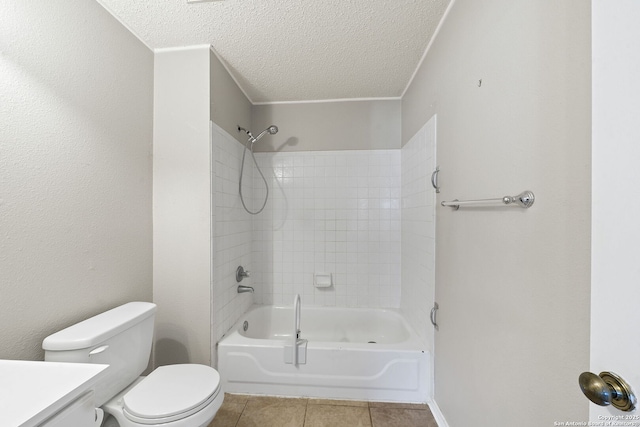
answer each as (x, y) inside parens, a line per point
(272, 130)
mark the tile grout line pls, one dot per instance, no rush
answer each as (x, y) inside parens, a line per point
(304, 420)
(241, 412)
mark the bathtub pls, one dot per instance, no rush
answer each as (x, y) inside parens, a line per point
(352, 353)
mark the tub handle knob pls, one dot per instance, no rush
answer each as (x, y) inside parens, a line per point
(241, 273)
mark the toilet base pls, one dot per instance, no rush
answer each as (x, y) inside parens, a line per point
(109, 421)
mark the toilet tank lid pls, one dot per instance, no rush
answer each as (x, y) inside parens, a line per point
(98, 329)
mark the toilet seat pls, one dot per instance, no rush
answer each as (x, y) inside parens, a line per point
(171, 393)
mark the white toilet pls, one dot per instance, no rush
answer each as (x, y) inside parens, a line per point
(171, 396)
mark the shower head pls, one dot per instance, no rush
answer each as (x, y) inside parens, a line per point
(272, 130)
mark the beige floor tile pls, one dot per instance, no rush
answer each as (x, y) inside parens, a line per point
(273, 412)
(236, 398)
(338, 402)
(259, 401)
(228, 414)
(337, 416)
(396, 405)
(400, 417)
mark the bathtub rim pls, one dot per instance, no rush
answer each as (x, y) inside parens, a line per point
(234, 337)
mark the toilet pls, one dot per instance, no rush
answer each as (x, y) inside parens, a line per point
(187, 395)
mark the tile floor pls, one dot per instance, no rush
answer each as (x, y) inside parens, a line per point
(252, 411)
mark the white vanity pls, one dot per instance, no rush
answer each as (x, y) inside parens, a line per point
(47, 394)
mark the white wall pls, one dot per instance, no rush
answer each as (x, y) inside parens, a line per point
(75, 169)
(182, 212)
(325, 126)
(230, 108)
(336, 212)
(512, 284)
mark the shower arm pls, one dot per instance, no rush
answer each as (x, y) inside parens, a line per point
(249, 134)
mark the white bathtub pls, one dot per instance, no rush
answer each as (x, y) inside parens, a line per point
(360, 354)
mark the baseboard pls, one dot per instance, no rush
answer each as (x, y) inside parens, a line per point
(437, 414)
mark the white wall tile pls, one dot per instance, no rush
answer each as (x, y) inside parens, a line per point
(232, 232)
(329, 211)
(418, 231)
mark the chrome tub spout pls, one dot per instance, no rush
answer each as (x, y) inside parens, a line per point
(242, 289)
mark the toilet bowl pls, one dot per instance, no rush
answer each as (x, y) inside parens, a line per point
(171, 396)
(185, 395)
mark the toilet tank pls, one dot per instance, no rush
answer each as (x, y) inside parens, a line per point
(120, 338)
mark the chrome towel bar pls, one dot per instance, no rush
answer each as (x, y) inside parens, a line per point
(524, 200)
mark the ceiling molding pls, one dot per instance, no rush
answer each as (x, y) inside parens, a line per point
(321, 101)
(426, 51)
(233, 76)
(124, 24)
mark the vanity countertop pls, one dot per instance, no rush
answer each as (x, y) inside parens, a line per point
(31, 391)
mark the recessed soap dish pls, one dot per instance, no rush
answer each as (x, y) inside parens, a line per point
(322, 280)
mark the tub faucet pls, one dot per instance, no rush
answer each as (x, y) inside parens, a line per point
(241, 273)
(242, 289)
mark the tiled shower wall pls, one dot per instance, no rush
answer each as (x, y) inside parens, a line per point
(232, 233)
(418, 230)
(334, 212)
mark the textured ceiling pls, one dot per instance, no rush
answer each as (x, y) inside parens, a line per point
(287, 50)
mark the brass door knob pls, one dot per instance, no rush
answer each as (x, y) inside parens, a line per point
(607, 389)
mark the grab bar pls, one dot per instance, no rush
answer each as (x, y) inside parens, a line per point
(434, 179)
(433, 314)
(524, 200)
(296, 328)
